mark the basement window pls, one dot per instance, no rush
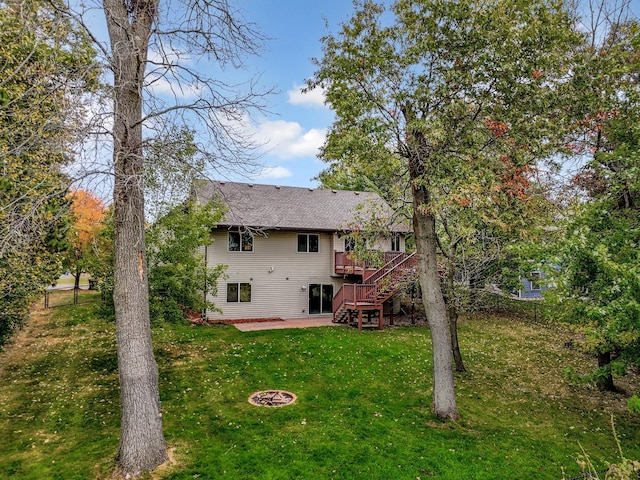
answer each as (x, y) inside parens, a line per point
(238, 292)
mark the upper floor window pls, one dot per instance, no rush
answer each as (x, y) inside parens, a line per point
(395, 244)
(349, 244)
(308, 242)
(240, 242)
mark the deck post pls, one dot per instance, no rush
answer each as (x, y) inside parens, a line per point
(359, 319)
(381, 318)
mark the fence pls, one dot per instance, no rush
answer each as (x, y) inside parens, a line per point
(60, 297)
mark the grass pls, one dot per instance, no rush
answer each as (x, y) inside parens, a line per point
(65, 297)
(69, 280)
(363, 406)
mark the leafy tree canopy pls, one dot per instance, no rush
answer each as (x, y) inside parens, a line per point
(46, 66)
(470, 95)
(597, 249)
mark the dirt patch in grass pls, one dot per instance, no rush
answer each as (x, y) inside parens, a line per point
(21, 346)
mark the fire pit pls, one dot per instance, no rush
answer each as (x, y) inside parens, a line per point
(272, 398)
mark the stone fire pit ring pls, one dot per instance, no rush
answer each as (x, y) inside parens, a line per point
(272, 398)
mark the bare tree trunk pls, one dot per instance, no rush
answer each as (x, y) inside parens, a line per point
(142, 445)
(76, 282)
(444, 400)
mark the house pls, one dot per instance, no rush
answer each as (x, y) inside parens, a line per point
(534, 284)
(287, 253)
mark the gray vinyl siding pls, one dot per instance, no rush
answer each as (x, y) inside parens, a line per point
(279, 275)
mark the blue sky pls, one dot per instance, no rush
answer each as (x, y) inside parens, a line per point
(295, 126)
(298, 125)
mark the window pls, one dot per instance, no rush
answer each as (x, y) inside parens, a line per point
(238, 292)
(240, 242)
(349, 244)
(535, 280)
(308, 243)
(395, 244)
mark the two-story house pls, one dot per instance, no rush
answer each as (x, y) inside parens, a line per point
(287, 253)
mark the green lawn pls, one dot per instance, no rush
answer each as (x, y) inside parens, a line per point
(69, 280)
(64, 297)
(362, 410)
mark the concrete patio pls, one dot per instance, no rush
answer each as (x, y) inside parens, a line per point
(323, 321)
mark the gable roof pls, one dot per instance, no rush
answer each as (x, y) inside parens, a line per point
(293, 208)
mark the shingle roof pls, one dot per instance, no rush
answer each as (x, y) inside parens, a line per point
(292, 208)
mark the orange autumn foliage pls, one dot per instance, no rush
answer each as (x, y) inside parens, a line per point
(88, 215)
(514, 179)
(465, 202)
(499, 129)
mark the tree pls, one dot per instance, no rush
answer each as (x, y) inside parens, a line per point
(438, 83)
(179, 278)
(597, 249)
(172, 166)
(153, 42)
(47, 65)
(473, 243)
(87, 216)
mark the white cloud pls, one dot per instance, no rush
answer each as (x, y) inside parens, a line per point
(288, 140)
(314, 98)
(273, 173)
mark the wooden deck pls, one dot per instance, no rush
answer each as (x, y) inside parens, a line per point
(368, 298)
(345, 264)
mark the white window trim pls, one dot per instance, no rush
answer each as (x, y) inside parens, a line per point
(532, 281)
(307, 235)
(238, 285)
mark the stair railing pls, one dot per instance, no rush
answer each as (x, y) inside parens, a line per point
(370, 291)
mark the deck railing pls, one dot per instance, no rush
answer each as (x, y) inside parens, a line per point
(380, 285)
(345, 263)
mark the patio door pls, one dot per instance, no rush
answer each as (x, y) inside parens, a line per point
(320, 298)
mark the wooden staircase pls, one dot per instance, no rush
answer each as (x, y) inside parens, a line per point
(368, 298)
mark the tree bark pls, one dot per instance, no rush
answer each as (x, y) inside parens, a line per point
(142, 445)
(455, 345)
(444, 400)
(605, 381)
(452, 312)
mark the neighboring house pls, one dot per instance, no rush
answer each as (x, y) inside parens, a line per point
(533, 285)
(286, 249)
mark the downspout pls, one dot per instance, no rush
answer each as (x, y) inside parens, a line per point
(203, 315)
